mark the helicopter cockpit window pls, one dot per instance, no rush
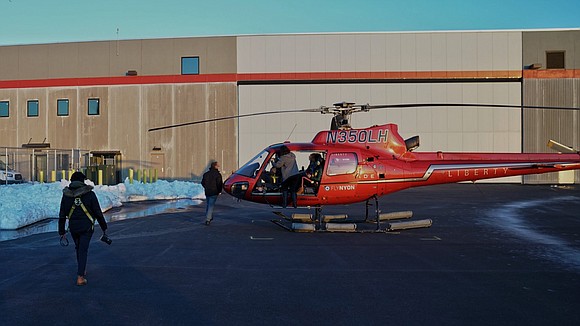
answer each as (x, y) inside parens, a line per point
(251, 168)
(342, 163)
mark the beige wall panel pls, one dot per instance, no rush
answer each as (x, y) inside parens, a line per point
(94, 59)
(408, 51)
(222, 141)
(318, 50)
(94, 129)
(211, 50)
(362, 47)
(244, 50)
(453, 52)
(347, 52)
(424, 47)
(393, 55)
(63, 130)
(33, 62)
(468, 51)
(287, 53)
(439, 53)
(124, 56)
(125, 124)
(9, 125)
(484, 57)
(538, 42)
(221, 56)
(576, 65)
(157, 111)
(159, 58)
(32, 129)
(515, 50)
(332, 44)
(273, 55)
(439, 128)
(378, 48)
(303, 52)
(64, 60)
(500, 51)
(191, 142)
(9, 62)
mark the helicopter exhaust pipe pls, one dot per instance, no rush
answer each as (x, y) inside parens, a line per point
(410, 225)
(395, 215)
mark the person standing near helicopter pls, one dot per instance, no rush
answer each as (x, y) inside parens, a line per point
(287, 164)
(212, 184)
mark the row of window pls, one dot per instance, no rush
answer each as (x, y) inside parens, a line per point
(189, 66)
(62, 108)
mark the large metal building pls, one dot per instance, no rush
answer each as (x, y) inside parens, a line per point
(103, 96)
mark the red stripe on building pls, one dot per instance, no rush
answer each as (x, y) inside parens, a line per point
(552, 73)
(284, 76)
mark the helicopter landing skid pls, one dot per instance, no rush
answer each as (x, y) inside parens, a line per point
(341, 223)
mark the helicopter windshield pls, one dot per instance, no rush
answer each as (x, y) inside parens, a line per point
(251, 168)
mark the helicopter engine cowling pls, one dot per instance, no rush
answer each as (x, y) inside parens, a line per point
(383, 139)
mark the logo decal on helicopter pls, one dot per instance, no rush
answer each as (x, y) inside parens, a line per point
(340, 187)
(357, 136)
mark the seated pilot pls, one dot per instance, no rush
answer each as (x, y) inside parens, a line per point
(313, 173)
(271, 179)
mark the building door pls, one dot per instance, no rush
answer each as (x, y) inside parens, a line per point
(158, 163)
(41, 167)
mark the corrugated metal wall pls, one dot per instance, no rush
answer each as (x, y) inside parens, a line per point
(539, 126)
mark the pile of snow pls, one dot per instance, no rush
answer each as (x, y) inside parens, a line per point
(25, 204)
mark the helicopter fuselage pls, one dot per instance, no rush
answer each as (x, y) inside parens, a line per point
(360, 164)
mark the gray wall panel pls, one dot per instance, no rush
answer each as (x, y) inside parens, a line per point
(539, 126)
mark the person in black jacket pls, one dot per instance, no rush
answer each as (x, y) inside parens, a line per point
(212, 184)
(80, 206)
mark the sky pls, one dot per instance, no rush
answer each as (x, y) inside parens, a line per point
(16, 210)
(55, 21)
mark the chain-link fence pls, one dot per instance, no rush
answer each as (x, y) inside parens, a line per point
(40, 164)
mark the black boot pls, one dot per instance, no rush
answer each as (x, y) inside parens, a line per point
(284, 198)
(294, 203)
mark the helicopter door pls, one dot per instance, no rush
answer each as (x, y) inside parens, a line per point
(340, 176)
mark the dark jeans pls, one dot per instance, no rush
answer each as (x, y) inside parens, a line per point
(82, 241)
(209, 207)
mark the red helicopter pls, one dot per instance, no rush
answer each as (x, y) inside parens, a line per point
(362, 164)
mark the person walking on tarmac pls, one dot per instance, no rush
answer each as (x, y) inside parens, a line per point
(80, 206)
(212, 184)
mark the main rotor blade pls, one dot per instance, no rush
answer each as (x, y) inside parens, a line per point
(324, 109)
(231, 117)
(419, 105)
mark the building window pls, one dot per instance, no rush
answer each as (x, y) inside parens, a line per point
(4, 109)
(32, 108)
(190, 65)
(62, 108)
(94, 106)
(555, 60)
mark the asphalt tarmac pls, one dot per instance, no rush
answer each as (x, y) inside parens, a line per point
(495, 255)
